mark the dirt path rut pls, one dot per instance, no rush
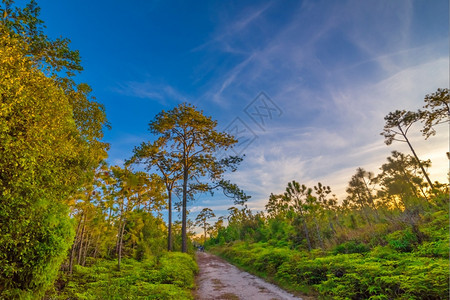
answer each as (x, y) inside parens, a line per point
(220, 280)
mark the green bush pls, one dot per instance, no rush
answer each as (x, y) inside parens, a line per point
(438, 226)
(384, 252)
(402, 240)
(179, 269)
(351, 247)
(434, 249)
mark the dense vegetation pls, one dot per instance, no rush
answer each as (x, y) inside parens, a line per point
(169, 276)
(388, 239)
(382, 266)
(50, 133)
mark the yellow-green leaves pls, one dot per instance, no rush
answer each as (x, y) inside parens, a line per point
(43, 158)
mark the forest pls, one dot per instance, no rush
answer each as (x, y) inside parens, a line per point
(75, 227)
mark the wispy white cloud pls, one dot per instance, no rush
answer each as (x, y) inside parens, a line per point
(163, 94)
(230, 78)
(230, 28)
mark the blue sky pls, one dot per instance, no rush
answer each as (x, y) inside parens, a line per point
(331, 71)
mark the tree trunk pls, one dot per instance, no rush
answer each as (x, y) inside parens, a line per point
(96, 247)
(119, 255)
(120, 226)
(80, 248)
(330, 224)
(423, 192)
(72, 250)
(336, 219)
(417, 158)
(118, 235)
(204, 238)
(86, 248)
(305, 229)
(184, 218)
(318, 233)
(363, 209)
(169, 233)
(372, 203)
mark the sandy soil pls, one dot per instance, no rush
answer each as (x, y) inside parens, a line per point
(220, 280)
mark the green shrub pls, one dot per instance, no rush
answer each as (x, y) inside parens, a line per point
(179, 269)
(263, 259)
(438, 226)
(434, 249)
(351, 247)
(384, 253)
(402, 240)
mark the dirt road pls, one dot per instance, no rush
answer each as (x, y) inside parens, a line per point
(220, 280)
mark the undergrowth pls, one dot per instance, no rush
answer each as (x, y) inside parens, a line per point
(171, 276)
(400, 269)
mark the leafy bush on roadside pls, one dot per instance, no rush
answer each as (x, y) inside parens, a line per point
(382, 273)
(178, 268)
(402, 240)
(350, 247)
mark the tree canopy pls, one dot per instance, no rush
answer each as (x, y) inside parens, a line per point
(43, 161)
(50, 131)
(189, 140)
